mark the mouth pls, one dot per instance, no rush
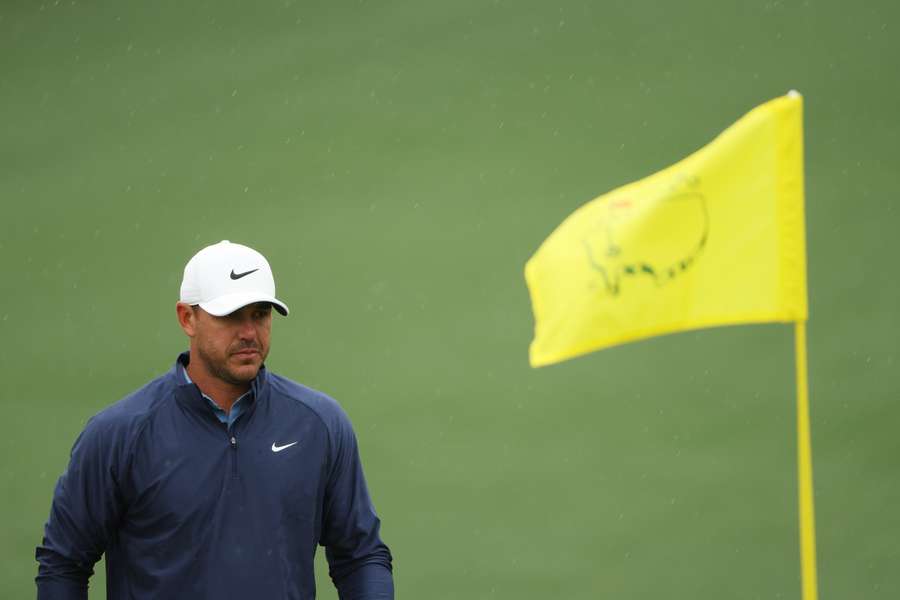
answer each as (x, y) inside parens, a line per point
(246, 353)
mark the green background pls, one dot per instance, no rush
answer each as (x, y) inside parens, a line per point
(398, 162)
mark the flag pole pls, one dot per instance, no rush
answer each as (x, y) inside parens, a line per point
(804, 470)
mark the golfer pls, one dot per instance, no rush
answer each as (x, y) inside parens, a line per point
(219, 478)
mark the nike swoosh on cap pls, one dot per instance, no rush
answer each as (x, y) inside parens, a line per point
(239, 275)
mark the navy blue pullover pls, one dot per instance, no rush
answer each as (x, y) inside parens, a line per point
(185, 508)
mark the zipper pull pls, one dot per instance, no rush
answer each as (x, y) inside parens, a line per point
(233, 441)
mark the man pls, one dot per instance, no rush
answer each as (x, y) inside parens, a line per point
(218, 479)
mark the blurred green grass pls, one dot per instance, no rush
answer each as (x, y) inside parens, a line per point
(398, 162)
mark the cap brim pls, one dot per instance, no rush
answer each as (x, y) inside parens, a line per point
(225, 305)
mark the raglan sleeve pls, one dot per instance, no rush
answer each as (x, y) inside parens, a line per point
(360, 564)
(85, 510)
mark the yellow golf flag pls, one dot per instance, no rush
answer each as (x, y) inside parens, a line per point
(715, 239)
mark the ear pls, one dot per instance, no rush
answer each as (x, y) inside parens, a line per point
(186, 318)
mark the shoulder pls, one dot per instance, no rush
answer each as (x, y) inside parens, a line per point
(291, 395)
(126, 417)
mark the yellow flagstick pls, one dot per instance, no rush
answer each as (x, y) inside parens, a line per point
(804, 470)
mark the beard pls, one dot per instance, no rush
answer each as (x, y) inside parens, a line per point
(218, 366)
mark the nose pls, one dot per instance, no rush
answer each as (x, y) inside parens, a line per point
(247, 329)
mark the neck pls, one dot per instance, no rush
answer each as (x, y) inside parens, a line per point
(223, 393)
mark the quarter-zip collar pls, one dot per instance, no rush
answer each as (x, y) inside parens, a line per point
(190, 396)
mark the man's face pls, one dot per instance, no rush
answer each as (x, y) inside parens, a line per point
(232, 347)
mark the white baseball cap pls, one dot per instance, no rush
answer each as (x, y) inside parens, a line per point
(225, 277)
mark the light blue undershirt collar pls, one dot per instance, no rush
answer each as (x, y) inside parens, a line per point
(237, 409)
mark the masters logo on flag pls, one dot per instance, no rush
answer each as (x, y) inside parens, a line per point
(673, 251)
(715, 239)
